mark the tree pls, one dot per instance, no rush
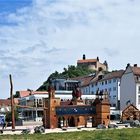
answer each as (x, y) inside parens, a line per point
(8, 117)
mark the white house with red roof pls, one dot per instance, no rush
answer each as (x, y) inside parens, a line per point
(130, 87)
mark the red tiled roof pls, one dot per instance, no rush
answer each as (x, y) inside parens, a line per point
(86, 60)
(5, 102)
(136, 70)
(27, 93)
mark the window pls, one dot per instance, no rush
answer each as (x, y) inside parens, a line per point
(86, 90)
(114, 88)
(102, 83)
(114, 105)
(114, 80)
(92, 85)
(114, 96)
(106, 82)
(109, 89)
(138, 89)
(139, 99)
(40, 101)
(109, 81)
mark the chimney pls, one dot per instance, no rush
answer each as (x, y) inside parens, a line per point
(135, 65)
(84, 56)
(97, 58)
(127, 65)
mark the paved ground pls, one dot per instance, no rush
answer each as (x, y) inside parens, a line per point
(32, 125)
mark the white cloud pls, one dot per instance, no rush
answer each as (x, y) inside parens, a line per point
(49, 35)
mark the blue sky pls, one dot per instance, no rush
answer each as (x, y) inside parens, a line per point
(41, 36)
(8, 6)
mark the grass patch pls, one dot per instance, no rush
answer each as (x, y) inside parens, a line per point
(114, 134)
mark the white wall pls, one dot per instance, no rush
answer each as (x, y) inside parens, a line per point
(114, 94)
(137, 95)
(85, 90)
(127, 89)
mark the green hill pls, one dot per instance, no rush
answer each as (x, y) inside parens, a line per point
(70, 72)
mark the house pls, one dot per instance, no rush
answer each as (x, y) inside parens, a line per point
(31, 104)
(109, 82)
(93, 64)
(130, 87)
(64, 84)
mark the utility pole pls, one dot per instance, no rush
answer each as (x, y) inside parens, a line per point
(12, 102)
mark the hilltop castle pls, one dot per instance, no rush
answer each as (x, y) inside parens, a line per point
(93, 64)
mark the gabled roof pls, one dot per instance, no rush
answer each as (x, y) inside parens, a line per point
(27, 93)
(86, 60)
(130, 107)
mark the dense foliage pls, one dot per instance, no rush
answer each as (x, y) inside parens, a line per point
(70, 72)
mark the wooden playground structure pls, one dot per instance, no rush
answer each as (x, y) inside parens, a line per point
(76, 113)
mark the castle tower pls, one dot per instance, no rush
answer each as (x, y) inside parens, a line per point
(50, 119)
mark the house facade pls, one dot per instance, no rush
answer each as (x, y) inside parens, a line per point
(31, 106)
(130, 87)
(109, 82)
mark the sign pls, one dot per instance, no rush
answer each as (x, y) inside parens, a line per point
(2, 119)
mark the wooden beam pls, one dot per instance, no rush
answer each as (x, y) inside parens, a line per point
(12, 102)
